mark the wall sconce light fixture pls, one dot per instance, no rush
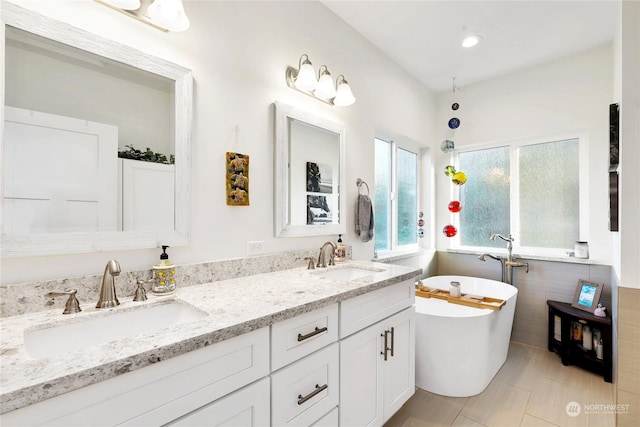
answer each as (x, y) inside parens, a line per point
(322, 88)
(165, 15)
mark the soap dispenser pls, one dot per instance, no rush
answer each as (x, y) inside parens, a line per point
(165, 272)
(341, 250)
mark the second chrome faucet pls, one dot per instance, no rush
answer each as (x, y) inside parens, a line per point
(322, 262)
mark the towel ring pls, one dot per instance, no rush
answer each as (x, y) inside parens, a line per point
(360, 183)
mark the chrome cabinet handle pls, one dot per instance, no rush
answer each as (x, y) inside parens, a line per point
(386, 344)
(393, 340)
(319, 389)
(315, 332)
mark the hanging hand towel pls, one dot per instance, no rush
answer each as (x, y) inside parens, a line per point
(364, 218)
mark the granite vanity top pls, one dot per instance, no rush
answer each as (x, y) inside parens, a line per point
(233, 307)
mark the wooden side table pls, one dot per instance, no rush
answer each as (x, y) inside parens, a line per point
(571, 351)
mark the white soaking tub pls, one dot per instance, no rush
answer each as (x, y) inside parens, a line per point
(459, 349)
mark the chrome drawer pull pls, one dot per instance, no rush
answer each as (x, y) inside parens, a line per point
(393, 340)
(386, 344)
(315, 332)
(318, 389)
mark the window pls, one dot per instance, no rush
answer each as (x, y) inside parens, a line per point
(529, 190)
(396, 203)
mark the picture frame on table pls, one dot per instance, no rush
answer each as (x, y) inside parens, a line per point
(587, 296)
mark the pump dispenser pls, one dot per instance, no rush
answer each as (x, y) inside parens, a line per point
(341, 250)
(165, 272)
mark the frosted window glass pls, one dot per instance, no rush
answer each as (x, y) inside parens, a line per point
(485, 196)
(549, 194)
(382, 208)
(407, 165)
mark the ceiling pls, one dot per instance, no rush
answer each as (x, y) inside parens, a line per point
(424, 36)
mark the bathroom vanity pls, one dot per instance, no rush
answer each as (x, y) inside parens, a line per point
(282, 348)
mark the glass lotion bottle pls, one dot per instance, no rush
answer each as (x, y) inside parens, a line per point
(165, 272)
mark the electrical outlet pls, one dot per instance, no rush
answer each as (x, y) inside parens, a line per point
(255, 248)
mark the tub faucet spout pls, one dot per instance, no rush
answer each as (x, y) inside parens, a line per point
(482, 257)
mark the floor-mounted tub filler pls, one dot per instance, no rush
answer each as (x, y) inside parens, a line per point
(459, 349)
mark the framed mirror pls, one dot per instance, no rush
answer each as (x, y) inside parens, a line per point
(96, 154)
(309, 174)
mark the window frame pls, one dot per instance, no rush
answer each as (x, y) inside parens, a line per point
(415, 148)
(514, 145)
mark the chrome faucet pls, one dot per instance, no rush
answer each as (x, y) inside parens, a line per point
(509, 241)
(108, 296)
(509, 263)
(322, 262)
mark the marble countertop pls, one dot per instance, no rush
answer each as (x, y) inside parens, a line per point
(233, 307)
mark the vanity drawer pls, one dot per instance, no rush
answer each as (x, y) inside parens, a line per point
(305, 391)
(294, 338)
(364, 310)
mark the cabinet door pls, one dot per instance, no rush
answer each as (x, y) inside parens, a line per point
(399, 368)
(248, 407)
(148, 196)
(361, 362)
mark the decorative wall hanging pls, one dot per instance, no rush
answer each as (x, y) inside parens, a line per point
(457, 177)
(455, 206)
(420, 225)
(449, 230)
(614, 136)
(447, 146)
(237, 182)
(613, 201)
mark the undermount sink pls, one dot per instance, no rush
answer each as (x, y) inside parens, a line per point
(115, 325)
(347, 273)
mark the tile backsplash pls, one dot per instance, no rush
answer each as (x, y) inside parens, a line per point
(21, 298)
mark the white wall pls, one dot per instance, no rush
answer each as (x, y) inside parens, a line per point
(564, 96)
(630, 146)
(239, 52)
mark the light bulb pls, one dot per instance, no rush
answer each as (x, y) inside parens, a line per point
(344, 96)
(306, 78)
(326, 89)
(169, 14)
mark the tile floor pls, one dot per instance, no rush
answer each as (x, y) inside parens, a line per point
(532, 389)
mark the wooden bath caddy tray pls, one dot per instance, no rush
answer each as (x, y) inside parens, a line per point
(466, 299)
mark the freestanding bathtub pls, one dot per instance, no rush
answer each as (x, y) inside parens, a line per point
(459, 349)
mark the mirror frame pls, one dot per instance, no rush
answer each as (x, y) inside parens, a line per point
(36, 244)
(283, 228)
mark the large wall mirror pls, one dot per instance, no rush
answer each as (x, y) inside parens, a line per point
(309, 174)
(96, 147)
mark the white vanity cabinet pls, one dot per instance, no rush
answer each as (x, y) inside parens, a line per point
(377, 363)
(347, 364)
(163, 392)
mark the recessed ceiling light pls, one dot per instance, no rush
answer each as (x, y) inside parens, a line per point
(471, 41)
